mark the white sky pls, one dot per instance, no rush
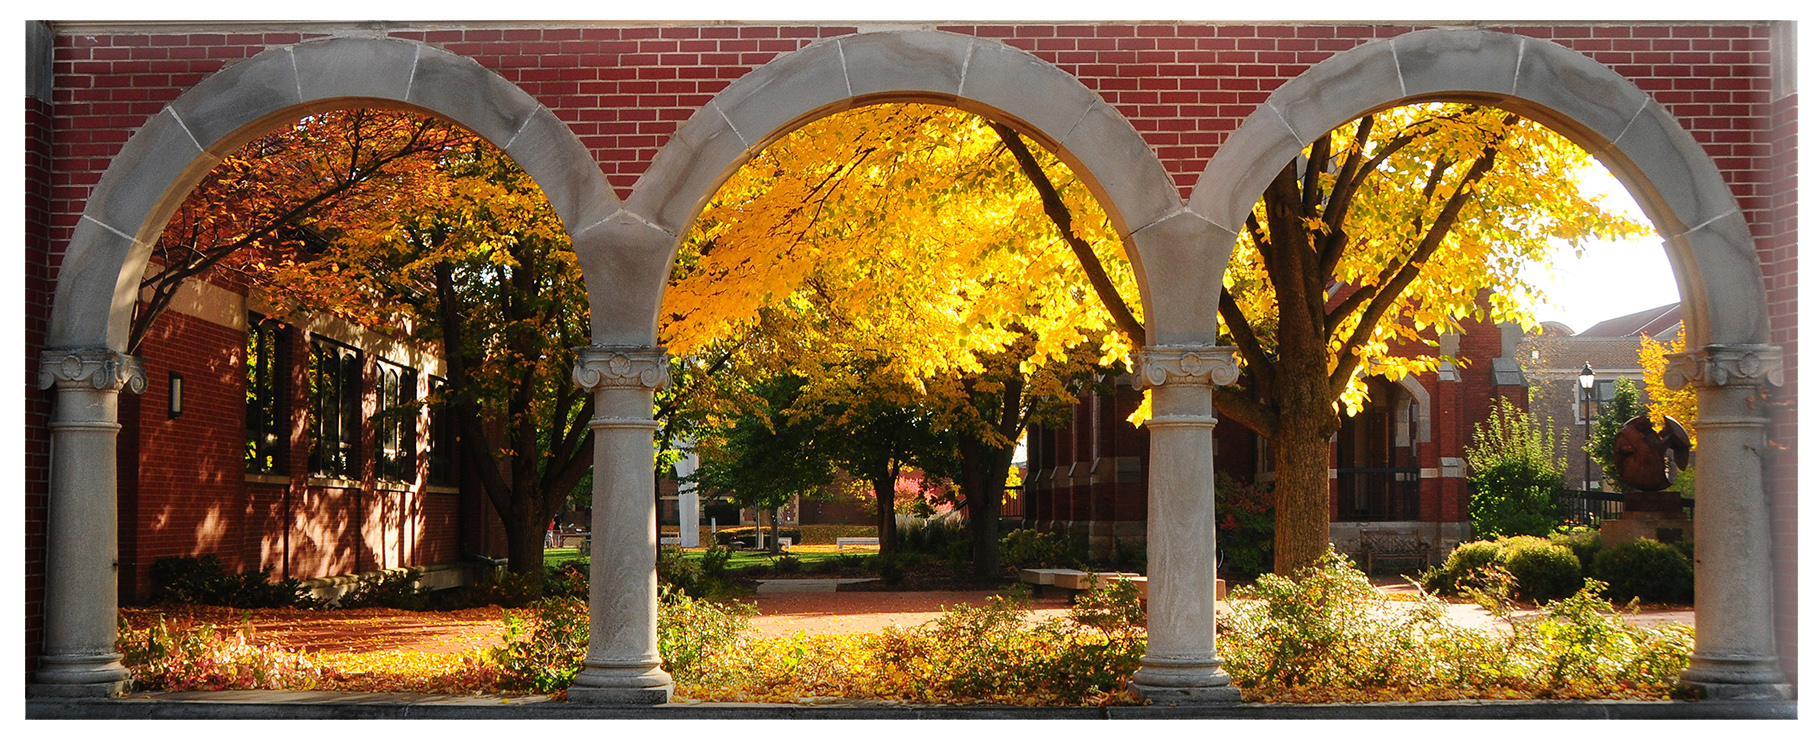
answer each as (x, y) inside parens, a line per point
(1613, 278)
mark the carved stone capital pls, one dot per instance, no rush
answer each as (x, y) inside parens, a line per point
(1720, 365)
(96, 369)
(1198, 364)
(597, 367)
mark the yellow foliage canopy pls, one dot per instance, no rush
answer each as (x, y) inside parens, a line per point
(902, 234)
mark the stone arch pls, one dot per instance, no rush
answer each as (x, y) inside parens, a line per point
(98, 282)
(978, 75)
(1674, 181)
(1707, 241)
(1414, 392)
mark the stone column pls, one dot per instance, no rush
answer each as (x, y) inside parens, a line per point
(1733, 571)
(1182, 663)
(622, 665)
(81, 588)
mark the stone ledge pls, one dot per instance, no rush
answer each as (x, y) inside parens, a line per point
(326, 705)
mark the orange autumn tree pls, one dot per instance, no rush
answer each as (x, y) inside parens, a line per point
(414, 227)
(256, 207)
(483, 266)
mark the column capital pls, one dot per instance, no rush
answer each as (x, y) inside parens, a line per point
(600, 367)
(1725, 365)
(1186, 364)
(93, 368)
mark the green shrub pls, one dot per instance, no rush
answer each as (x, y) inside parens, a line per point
(393, 589)
(1027, 548)
(1459, 565)
(1129, 557)
(691, 633)
(788, 564)
(1538, 569)
(673, 568)
(1542, 570)
(935, 537)
(201, 581)
(714, 560)
(542, 652)
(1583, 542)
(570, 579)
(1325, 635)
(1648, 570)
(1246, 527)
(1516, 475)
(185, 657)
(502, 588)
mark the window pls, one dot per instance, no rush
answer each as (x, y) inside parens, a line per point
(441, 436)
(395, 423)
(334, 408)
(265, 370)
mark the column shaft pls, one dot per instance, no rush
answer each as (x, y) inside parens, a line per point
(82, 558)
(1182, 663)
(1733, 576)
(622, 665)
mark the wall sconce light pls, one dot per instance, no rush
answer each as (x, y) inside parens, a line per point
(176, 394)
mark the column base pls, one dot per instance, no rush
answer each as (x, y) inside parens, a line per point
(110, 690)
(1739, 691)
(620, 696)
(606, 683)
(92, 675)
(1735, 678)
(1177, 680)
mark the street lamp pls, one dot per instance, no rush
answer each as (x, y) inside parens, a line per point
(1587, 379)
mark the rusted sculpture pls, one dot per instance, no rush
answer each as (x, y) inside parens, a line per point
(1642, 463)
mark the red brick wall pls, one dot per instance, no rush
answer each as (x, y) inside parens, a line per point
(38, 290)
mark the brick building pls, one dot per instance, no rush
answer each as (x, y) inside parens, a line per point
(255, 442)
(1397, 466)
(1553, 356)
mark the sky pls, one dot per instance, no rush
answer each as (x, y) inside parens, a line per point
(1583, 290)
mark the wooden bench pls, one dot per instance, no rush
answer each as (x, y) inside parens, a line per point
(1392, 545)
(841, 542)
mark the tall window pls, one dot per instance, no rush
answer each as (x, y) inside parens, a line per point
(441, 436)
(334, 408)
(395, 423)
(264, 394)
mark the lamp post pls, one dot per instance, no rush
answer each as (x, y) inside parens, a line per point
(1587, 379)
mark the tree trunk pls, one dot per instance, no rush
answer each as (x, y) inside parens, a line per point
(1302, 495)
(776, 530)
(885, 488)
(524, 534)
(983, 469)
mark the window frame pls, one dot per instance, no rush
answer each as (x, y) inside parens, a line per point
(266, 364)
(343, 434)
(394, 444)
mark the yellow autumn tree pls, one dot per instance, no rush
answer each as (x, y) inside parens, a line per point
(1680, 404)
(1383, 234)
(905, 247)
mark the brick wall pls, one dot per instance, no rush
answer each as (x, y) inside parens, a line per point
(38, 289)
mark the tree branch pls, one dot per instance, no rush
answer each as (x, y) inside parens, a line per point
(1063, 221)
